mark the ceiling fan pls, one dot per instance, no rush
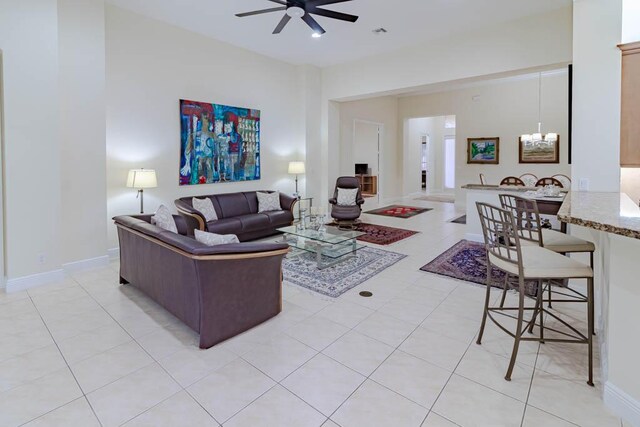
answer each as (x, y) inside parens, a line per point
(303, 9)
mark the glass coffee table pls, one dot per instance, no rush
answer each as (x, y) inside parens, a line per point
(331, 246)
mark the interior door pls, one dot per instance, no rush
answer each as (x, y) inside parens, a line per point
(366, 150)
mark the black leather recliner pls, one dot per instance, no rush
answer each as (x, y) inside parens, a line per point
(346, 214)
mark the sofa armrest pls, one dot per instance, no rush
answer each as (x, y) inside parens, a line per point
(257, 249)
(193, 218)
(287, 202)
(333, 201)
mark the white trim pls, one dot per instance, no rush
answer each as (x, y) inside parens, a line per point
(34, 280)
(40, 279)
(474, 237)
(114, 253)
(86, 264)
(622, 404)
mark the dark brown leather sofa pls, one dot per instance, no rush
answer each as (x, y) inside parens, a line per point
(238, 214)
(218, 291)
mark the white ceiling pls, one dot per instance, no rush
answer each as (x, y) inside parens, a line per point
(409, 22)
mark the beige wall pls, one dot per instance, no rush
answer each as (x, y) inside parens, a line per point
(29, 42)
(497, 49)
(596, 86)
(382, 110)
(506, 110)
(82, 124)
(150, 67)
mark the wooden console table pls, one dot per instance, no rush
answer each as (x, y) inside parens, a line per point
(368, 184)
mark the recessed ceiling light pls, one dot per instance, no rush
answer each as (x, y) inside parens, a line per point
(316, 35)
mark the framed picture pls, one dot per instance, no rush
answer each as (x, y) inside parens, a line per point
(484, 151)
(219, 143)
(539, 151)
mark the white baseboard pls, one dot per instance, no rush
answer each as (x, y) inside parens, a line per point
(114, 253)
(86, 264)
(27, 282)
(622, 404)
(474, 237)
(40, 279)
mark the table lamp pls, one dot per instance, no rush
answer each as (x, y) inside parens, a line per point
(296, 168)
(141, 179)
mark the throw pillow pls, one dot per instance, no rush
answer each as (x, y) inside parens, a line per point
(268, 201)
(205, 207)
(164, 219)
(347, 196)
(212, 239)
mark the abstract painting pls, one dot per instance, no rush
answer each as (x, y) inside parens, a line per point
(483, 150)
(540, 151)
(218, 143)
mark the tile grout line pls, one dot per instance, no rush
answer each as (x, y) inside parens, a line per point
(533, 374)
(352, 329)
(65, 360)
(152, 358)
(397, 348)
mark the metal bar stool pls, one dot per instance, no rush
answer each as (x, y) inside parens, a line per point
(527, 218)
(529, 263)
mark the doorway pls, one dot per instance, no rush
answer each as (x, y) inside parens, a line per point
(367, 142)
(429, 164)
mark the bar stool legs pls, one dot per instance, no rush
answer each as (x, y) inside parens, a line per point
(590, 332)
(485, 312)
(519, 329)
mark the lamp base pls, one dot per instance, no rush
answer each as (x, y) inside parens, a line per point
(141, 194)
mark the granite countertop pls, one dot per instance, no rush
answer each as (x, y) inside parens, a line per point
(497, 187)
(610, 212)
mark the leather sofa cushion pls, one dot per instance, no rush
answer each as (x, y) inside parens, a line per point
(225, 226)
(279, 218)
(233, 205)
(254, 222)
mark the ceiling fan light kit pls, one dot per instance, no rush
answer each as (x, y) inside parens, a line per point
(303, 9)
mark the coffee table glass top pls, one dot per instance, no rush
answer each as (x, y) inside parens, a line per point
(331, 235)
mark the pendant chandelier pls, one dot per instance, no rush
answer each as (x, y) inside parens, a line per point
(538, 137)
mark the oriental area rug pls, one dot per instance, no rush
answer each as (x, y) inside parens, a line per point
(467, 261)
(399, 211)
(380, 234)
(300, 268)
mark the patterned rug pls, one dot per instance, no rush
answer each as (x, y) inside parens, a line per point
(300, 269)
(460, 220)
(382, 235)
(467, 261)
(399, 211)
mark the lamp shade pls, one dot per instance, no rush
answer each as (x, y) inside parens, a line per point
(142, 178)
(296, 168)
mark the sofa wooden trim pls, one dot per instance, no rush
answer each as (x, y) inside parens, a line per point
(219, 257)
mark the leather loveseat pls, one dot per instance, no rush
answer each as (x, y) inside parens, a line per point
(218, 291)
(238, 214)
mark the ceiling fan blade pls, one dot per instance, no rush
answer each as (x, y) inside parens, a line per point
(284, 21)
(284, 3)
(316, 3)
(259, 12)
(332, 14)
(313, 24)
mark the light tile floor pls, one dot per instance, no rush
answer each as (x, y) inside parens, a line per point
(87, 351)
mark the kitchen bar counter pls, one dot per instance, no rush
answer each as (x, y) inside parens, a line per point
(490, 194)
(613, 213)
